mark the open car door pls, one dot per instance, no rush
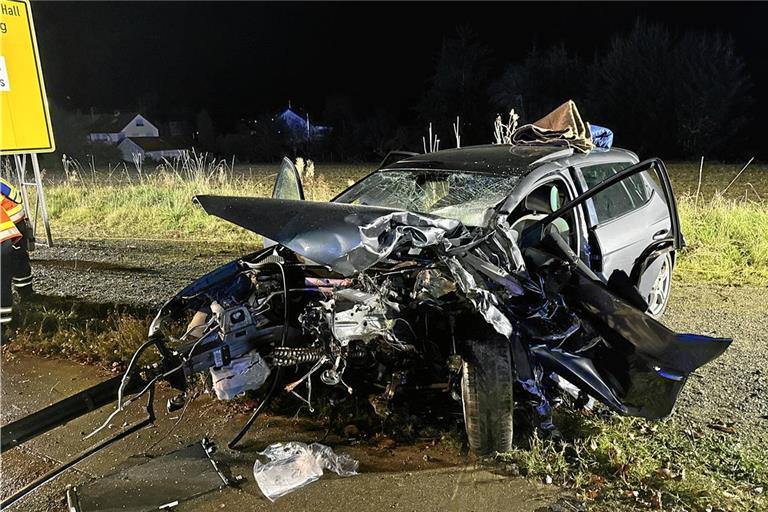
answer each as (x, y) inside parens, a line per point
(637, 366)
(288, 182)
(634, 243)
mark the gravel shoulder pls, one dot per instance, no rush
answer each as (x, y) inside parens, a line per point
(135, 273)
(732, 389)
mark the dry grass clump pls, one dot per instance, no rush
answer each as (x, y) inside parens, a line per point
(81, 331)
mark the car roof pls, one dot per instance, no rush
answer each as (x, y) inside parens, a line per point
(507, 159)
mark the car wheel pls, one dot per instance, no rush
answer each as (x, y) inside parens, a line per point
(658, 297)
(486, 392)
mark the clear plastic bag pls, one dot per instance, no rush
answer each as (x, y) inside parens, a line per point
(293, 465)
(341, 464)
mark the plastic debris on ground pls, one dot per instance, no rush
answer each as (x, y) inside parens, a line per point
(293, 465)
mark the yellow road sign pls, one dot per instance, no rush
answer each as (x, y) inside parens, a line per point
(25, 123)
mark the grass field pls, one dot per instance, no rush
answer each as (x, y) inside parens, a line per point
(727, 234)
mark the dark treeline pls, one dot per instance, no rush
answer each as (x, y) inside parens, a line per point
(678, 94)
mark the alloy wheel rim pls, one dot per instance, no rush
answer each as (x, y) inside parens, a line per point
(657, 298)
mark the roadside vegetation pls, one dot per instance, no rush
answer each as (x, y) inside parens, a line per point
(614, 462)
(101, 334)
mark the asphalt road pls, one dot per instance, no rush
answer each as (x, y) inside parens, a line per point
(418, 477)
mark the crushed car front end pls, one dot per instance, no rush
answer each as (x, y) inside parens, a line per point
(376, 300)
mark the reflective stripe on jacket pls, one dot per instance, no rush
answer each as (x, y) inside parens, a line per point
(11, 201)
(8, 229)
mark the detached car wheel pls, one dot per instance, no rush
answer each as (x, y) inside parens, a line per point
(486, 392)
(658, 297)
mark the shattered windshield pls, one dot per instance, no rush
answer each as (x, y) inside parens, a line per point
(463, 196)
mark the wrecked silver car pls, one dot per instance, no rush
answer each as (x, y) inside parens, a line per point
(500, 275)
(482, 268)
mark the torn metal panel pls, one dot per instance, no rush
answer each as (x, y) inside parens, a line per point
(619, 321)
(483, 301)
(325, 233)
(389, 232)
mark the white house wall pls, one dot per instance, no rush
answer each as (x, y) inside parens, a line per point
(168, 153)
(128, 149)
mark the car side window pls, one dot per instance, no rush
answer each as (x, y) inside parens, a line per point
(621, 198)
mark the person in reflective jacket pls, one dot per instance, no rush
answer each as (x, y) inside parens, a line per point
(15, 237)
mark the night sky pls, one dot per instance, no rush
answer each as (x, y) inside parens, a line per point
(240, 59)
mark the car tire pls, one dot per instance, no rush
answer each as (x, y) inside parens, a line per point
(487, 395)
(658, 297)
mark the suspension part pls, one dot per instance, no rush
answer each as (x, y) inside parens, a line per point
(289, 356)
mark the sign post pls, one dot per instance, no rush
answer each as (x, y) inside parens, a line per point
(25, 121)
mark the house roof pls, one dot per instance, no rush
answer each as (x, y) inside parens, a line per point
(153, 143)
(292, 119)
(298, 124)
(111, 123)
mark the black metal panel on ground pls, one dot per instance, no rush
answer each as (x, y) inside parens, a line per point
(153, 485)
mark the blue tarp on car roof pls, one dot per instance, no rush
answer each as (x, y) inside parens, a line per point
(602, 137)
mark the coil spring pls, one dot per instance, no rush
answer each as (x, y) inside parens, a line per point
(289, 356)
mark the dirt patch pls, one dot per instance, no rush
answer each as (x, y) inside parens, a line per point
(79, 330)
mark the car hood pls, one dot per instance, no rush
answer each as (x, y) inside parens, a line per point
(348, 238)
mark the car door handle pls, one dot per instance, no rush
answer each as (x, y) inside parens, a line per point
(660, 234)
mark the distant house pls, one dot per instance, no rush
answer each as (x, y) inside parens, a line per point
(134, 135)
(143, 148)
(300, 128)
(113, 128)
